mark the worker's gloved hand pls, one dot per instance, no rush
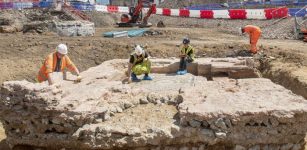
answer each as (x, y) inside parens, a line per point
(79, 78)
(189, 59)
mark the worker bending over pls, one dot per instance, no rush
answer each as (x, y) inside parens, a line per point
(57, 61)
(186, 56)
(254, 34)
(139, 64)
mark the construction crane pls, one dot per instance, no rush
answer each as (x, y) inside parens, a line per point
(135, 16)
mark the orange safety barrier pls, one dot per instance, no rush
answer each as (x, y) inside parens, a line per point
(208, 14)
(166, 12)
(112, 8)
(237, 13)
(272, 13)
(184, 13)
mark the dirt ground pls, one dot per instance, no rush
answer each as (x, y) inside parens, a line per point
(21, 55)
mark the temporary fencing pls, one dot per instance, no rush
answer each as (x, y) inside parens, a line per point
(267, 13)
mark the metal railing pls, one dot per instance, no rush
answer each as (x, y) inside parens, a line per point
(76, 12)
(296, 21)
(298, 25)
(275, 21)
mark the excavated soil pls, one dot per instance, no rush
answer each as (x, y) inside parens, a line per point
(22, 54)
(272, 29)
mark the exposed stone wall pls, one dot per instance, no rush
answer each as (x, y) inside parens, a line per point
(170, 112)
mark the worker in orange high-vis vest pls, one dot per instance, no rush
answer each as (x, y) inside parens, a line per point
(254, 34)
(57, 61)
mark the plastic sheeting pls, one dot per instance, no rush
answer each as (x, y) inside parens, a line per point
(6, 5)
(22, 5)
(297, 12)
(82, 6)
(131, 33)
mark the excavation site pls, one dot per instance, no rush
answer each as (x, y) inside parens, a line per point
(173, 75)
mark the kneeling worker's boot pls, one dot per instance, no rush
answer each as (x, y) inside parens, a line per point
(147, 77)
(178, 72)
(134, 78)
(183, 72)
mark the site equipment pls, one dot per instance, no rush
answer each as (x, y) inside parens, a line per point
(135, 16)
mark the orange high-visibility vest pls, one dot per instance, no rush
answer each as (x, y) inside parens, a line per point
(250, 29)
(50, 64)
(254, 35)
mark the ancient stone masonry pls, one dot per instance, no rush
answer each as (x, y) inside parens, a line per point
(239, 111)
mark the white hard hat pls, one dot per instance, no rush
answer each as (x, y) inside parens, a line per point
(62, 49)
(138, 50)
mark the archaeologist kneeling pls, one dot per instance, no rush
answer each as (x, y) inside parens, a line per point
(254, 34)
(186, 56)
(57, 61)
(139, 63)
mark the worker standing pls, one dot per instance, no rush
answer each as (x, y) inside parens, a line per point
(186, 56)
(57, 61)
(254, 34)
(139, 64)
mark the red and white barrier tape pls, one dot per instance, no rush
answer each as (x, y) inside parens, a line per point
(268, 13)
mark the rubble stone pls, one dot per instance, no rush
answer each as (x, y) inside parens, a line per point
(74, 28)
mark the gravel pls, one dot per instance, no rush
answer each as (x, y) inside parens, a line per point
(271, 29)
(103, 19)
